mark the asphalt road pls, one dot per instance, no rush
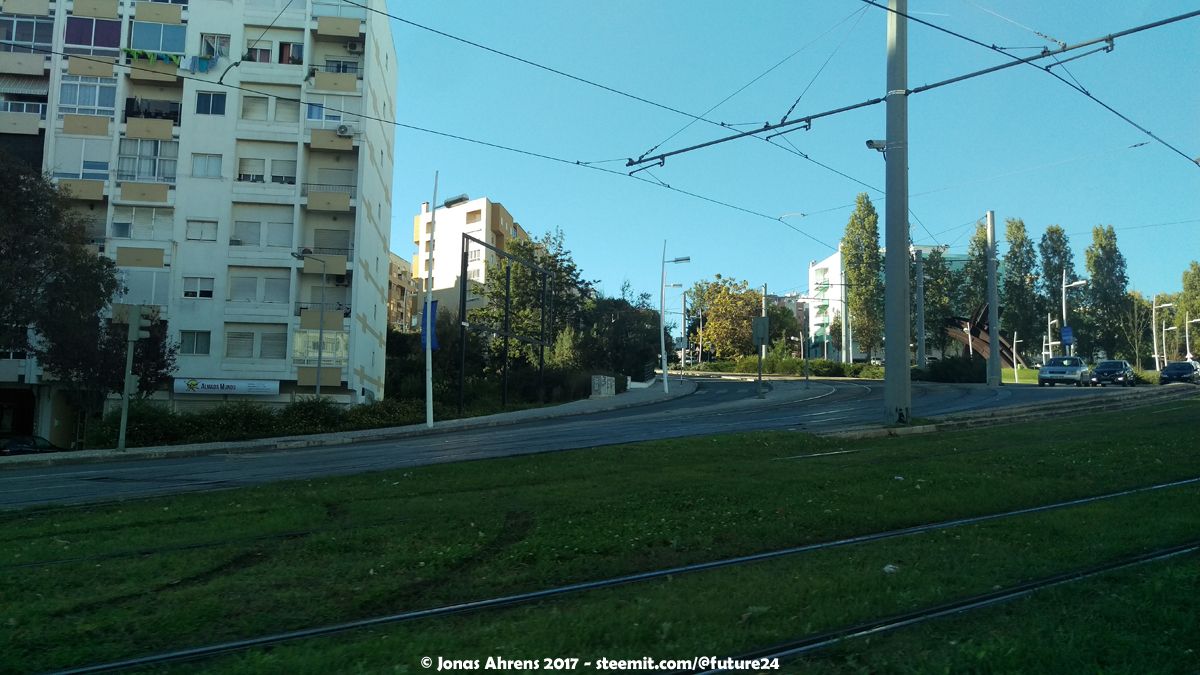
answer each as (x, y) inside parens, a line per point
(717, 406)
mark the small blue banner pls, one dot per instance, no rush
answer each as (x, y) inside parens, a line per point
(1068, 338)
(425, 326)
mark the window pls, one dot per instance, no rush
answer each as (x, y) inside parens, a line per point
(276, 290)
(239, 344)
(258, 51)
(121, 230)
(99, 37)
(243, 289)
(142, 159)
(328, 111)
(473, 275)
(254, 107)
(197, 287)
(144, 222)
(213, 45)
(206, 166)
(252, 170)
(473, 254)
(195, 342)
(26, 34)
(274, 345)
(291, 52)
(158, 37)
(287, 111)
(202, 230)
(341, 66)
(87, 96)
(279, 235)
(245, 286)
(246, 233)
(283, 171)
(474, 216)
(317, 111)
(210, 103)
(85, 158)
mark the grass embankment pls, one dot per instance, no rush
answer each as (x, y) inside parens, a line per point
(387, 542)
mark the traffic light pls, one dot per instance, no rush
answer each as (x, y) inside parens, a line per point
(139, 324)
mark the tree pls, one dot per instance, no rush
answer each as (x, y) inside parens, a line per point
(939, 293)
(835, 333)
(729, 307)
(1189, 304)
(972, 281)
(1105, 295)
(781, 322)
(1134, 328)
(1055, 251)
(1019, 298)
(864, 266)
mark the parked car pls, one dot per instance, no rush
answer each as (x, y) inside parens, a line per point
(1180, 371)
(19, 444)
(1065, 370)
(1113, 372)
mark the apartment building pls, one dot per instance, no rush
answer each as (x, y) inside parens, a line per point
(480, 218)
(219, 150)
(403, 292)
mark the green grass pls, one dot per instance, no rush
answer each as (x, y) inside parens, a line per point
(421, 537)
(1024, 376)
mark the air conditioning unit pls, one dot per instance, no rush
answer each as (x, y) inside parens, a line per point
(345, 130)
(340, 280)
(235, 242)
(354, 47)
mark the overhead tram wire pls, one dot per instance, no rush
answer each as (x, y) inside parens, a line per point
(528, 153)
(806, 122)
(820, 70)
(1109, 39)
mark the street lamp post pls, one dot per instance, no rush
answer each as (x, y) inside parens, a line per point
(662, 308)
(1050, 336)
(1187, 333)
(306, 254)
(1154, 307)
(1165, 330)
(683, 361)
(1065, 286)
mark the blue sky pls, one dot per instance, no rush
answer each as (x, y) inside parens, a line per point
(1017, 142)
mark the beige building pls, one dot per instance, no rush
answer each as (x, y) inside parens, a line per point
(403, 295)
(480, 218)
(209, 143)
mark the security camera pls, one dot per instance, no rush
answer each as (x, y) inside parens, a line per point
(877, 145)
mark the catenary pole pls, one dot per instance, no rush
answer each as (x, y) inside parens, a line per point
(993, 362)
(897, 388)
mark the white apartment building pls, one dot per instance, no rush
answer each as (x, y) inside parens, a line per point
(209, 142)
(480, 218)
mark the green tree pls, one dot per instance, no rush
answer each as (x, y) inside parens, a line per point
(1055, 251)
(835, 334)
(864, 266)
(972, 281)
(1019, 300)
(1134, 328)
(729, 307)
(782, 323)
(939, 293)
(1106, 293)
(1189, 304)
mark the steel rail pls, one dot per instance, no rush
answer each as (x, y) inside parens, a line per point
(819, 641)
(206, 651)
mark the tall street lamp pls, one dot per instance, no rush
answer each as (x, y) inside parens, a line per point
(662, 308)
(1065, 286)
(306, 254)
(1154, 307)
(1187, 333)
(1165, 330)
(1050, 336)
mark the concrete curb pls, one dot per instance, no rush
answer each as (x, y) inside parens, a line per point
(977, 419)
(574, 408)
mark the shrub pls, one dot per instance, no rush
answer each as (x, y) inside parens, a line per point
(1146, 376)
(959, 369)
(870, 372)
(231, 422)
(311, 416)
(386, 413)
(717, 366)
(148, 424)
(826, 368)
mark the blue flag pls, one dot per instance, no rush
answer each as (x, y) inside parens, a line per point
(425, 326)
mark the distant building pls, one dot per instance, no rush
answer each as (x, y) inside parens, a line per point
(403, 294)
(480, 218)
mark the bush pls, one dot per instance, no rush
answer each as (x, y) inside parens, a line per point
(717, 366)
(959, 369)
(870, 372)
(1146, 376)
(231, 422)
(311, 416)
(148, 424)
(386, 413)
(826, 368)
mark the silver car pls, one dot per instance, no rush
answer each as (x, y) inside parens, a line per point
(1064, 370)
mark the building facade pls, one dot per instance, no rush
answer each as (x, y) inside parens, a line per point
(218, 150)
(480, 218)
(403, 292)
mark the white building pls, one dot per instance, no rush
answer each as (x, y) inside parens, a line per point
(480, 218)
(208, 142)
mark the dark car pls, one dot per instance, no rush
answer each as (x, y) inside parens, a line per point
(17, 444)
(1180, 371)
(1113, 372)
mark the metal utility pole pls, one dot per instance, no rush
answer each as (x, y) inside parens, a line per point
(920, 275)
(683, 361)
(428, 304)
(993, 363)
(700, 355)
(897, 387)
(764, 313)
(847, 349)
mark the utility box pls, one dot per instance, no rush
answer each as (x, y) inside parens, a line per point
(603, 385)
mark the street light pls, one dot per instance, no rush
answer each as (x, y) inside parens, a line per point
(1065, 286)
(1187, 333)
(1154, 307)
(306, 254)
(673, 339)
(1165, 330)
(662, 307)
(1049, 337)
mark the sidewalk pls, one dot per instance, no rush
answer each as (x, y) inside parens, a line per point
(630, 399)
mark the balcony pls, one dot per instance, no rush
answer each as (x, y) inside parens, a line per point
(328, 197)
(152, 109)
(343, 307)
(324, 250)
(25, 107)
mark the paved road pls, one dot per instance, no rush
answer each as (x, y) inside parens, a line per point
(717, 406)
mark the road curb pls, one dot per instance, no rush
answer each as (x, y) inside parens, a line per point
(686, 388)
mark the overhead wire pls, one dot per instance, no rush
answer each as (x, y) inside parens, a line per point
(822, 68)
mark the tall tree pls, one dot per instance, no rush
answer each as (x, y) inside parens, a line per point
(1018, 297)
(972, 281)
(864, 267)
(939, 304)
(1055, 251)
(1189, 305)
(1105, 294)
(1135, 329)
(782, 322)
(729, 307)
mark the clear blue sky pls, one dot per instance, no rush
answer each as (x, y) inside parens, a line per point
(1017, 142)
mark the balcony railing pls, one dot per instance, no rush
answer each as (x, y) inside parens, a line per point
(24, 107)
(307, 188)
(326, 8)
(342, 67)
(152, 109)
(322, 250)
(343, 307)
